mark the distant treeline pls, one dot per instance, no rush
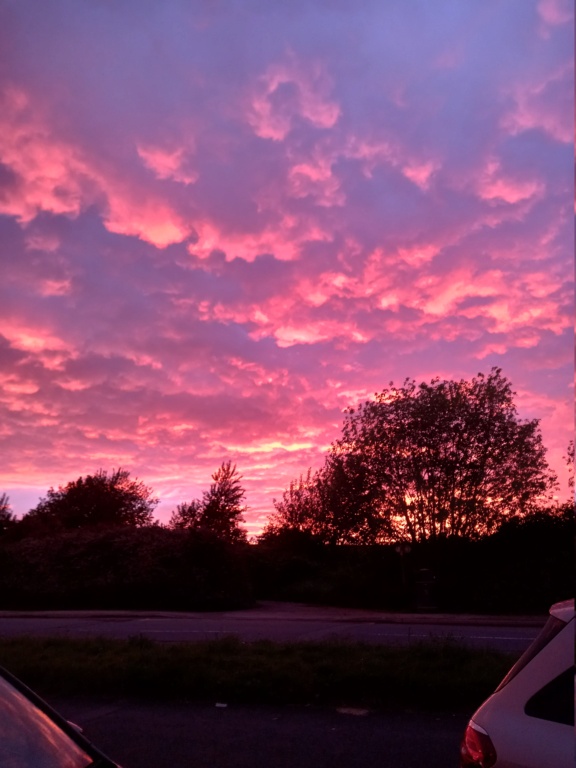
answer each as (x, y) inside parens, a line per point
(522, 568)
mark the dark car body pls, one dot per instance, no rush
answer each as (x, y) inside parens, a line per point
(33, 735)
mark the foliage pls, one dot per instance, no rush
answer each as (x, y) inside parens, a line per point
(333, 504)
(427, 461)
(7, 519)
(569, 458)
(223, 505)
(99, 500)
(149, 567)
(187, 515)
(300, 509)
(523, 568)
(221, 510)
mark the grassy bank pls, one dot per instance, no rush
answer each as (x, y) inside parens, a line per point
(431, 677)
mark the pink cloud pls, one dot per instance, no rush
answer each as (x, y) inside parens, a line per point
(496, 186)
(49, 174)
(167, 163)
(316, 180)
(289, 90)
(285, 239)
(544, 105)
(56, 176)
(37, 340)
(556, 12)
(420, 173)
(151, 219)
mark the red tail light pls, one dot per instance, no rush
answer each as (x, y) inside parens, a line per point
(476, 750)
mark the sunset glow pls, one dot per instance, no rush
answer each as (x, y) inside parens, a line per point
(223, 223)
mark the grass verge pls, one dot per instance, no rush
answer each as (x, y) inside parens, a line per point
(431, 676)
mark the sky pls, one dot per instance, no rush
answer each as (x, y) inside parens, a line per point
(224, 222)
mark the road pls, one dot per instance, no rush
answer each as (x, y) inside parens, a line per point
(280, 622)
(140, 735)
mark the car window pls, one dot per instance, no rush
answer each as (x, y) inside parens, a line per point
(555, 701)
(29, 738)
(549, 631)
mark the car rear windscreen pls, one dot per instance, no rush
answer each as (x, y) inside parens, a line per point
(549, 631)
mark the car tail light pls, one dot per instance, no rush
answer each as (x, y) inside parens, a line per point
(476, 750)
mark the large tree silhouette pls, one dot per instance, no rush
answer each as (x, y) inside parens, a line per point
(419, 462)
(98, 500)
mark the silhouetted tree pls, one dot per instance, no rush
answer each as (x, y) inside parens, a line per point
(419, 462)
(569, 458)
(7, 519)
(187, 515)
(449, 458)
(299, 509)
(98, 500)
(350, 500)
(334, 505)
(221, 510)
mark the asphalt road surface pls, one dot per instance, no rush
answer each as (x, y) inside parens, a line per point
(140, 735)
(280, 622)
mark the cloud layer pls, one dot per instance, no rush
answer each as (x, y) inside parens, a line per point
(222, 223)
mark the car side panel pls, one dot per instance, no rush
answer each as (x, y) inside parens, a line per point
(529, 742)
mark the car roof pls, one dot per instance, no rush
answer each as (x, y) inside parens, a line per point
(563, 611)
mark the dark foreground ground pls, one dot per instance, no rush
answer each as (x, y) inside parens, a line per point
(141, 735)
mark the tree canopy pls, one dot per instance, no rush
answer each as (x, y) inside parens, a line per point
(221, 510)
(569, 458)
(423, 461)
(7, 519)
(98, 500)
(333, 504)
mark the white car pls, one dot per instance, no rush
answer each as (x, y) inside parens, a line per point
(528, 722)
